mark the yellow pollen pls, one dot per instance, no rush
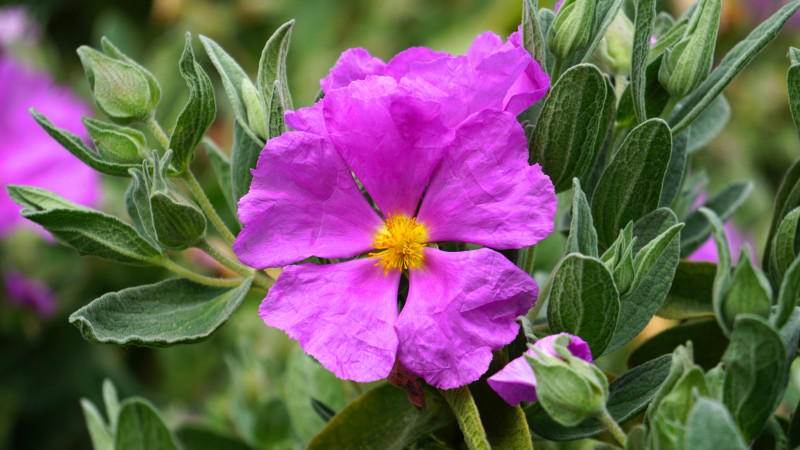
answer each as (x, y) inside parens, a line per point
(402, 241)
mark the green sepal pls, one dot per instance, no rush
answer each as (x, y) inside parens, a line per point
(178, 224)
(115, 143)
(572, 27)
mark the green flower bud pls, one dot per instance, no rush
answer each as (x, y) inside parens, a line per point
(688, 63)
(254, 103)
(116, 143)
(177, 223)
(122, 89)
(571, 28)
(570, 390)
(614, 52)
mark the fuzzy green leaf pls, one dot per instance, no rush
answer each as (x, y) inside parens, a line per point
(690, 294)
(272, 65)
(710, 425)
(582, 235)
(644, 20)
(141, 428)
(244, 156)
(708, 125)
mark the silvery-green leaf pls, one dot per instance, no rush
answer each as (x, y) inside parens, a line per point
(708, 125)
(644, 21)
(676, 170)
(221, 166)
(141, 428)
(582, 235)
(244, 156)
(115, 143)
(170, 312)
(710, 425)
(102, 437)
(787, 199)
(749, 291)
(532, 36)
(272, 65)
(278, 105)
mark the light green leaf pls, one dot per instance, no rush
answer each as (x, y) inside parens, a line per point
(88, 231)
(166, 313)
(75, 145)
(749, 292)
(710, 425)
(111, 400)
(708, 125)
(272, 65)
(676, 171)
(532, 36)
(137, 203)
(631, 185)
(785, 242)
(722, 279)
(793, 86)
(787, 199)
(724, 204)
(652, 252)
(582, 235)
(643, 31)
(569, 125)
(199, 112)
(788, 294)
(244, 156)
(604, 13)
(102, 437)
(277, 106)
(755, 357)
(737, 59)
(221, 165)
(385, 415)
(141, 428)
(584, 301)
(115, 143)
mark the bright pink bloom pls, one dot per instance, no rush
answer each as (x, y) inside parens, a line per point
(434, 141)
(516, 381)
(28, 155)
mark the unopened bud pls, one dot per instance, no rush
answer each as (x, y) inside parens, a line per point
(116, 143)
(572, 27)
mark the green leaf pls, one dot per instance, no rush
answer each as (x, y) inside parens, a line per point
(642, 301)
(584, 301)
(604, 13)
(111, 400)
(306, 379)
(676, 171)
(722, 279)
(582, 235)
(532, 36)
(568, 125)
(244, 156)
(793, 86)
(111, 50)
(629, 395)
(643, 31)
(603, 141)
(75, 145)
(787, 199)
(88, 231)
(221, 166)
(272, 65)
(772, 437)
(690, 294)
(650, 253)
(724, 204)
(166, 313)
(177, 223)
(137, 203)
(631, 184)
(100, 434)
(277, 106)
(749, 291)
(655, 97)
(755, 356)
(788, 294)
(469, 420)
(651, 226)
(141, 428)
(737, 59)
(708, 125)
(785, 242)
(196, 437)
(115, 143)
(384, 415)
(706, 336)
(710, 425)
(794, 429)
(199, 112)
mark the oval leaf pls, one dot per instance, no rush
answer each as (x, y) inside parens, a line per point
(140, 428)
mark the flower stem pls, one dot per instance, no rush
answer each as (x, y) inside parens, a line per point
(207, 207)
(259, 279)
(669, 107)
(202, 279)
(469, 421)
(157, 131)
(615, 430)
(527, 258)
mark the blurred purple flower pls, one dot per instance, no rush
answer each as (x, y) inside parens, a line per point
(29, 293)
(558, 5)
(424, 122)
(736, 239)
(516, 381)
(16, 26)
(762, 9)
(28, 155)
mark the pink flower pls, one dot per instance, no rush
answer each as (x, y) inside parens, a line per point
(29, 293)
(516, 381)
(28, 155)
(736, 239)
(424, 123)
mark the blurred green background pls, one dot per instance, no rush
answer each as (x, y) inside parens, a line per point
(250, 381)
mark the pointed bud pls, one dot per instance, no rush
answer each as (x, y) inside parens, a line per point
(571, 28)
(614, 53)
(116, 143)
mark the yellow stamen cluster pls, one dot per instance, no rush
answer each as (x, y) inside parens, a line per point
(402, 241)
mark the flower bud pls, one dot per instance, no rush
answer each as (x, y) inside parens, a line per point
(571, 389)
(571, 28)
(116, 143)
(123, 90)
(178, 224)
(614, 53)
(688, 63)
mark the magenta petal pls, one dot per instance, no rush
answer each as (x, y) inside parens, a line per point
(303, 201)
(391, 140)
(402, 62)
(308, 119)
(516, 382)
(460, 307)
(484, 192)
(484, 45)
(342, 314)
(528, 89)
(354, 64)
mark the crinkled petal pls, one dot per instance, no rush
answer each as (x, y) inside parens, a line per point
(516, 382)
(528, 89)
(354, 64)
(399, 66)
(484, 192)
(391, 140)
(464, 87)
(303, 201)
(342, 314)
(484, 45)
(460, 307)
(308, 119)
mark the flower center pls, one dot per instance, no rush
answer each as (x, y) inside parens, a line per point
(402, 241)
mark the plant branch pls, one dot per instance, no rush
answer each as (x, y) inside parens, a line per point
(612, 427)
(207, 207)
(157, 131)
(202, 279)
(259, 279)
